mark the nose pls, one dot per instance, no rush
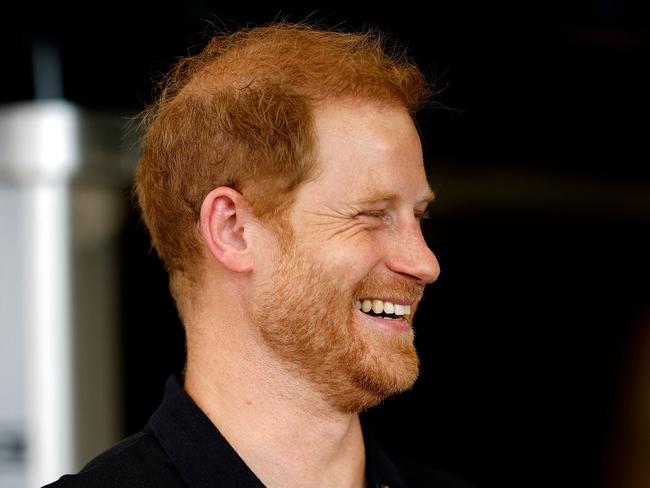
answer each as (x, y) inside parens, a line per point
(412, 257)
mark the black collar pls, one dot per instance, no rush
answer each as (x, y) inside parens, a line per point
(204, 458)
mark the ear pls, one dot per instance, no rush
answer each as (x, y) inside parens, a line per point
(224, 216)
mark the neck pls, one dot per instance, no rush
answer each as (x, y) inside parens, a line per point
(286, 434)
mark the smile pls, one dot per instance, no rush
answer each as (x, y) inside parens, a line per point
(385, 309)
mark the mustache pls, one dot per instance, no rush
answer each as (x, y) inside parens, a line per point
(396, 288)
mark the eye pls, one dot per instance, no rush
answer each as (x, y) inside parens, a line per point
(376, 214)
(420, 216)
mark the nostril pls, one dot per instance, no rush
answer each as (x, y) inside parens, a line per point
(421, 268)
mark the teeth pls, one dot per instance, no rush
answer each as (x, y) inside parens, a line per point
(379, 306)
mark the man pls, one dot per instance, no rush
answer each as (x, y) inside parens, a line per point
(282, 182)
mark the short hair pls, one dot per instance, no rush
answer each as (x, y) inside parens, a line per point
(239, 114)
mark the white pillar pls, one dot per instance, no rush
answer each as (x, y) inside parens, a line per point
(63, 171)
(48, 321)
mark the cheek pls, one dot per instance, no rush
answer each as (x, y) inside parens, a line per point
(354, 262)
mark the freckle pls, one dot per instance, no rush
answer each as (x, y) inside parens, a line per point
(248, 402)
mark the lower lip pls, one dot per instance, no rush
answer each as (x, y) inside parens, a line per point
(395, 325)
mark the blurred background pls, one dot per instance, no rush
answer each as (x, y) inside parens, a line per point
(535, 340)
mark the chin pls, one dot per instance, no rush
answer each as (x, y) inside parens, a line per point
(375, 380)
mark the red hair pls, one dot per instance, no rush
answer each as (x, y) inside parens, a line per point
(239, 114)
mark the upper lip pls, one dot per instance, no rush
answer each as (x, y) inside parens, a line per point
(394, 301)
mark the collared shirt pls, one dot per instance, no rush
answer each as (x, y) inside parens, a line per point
(181, 447)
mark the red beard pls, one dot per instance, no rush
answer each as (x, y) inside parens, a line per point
(311, 325)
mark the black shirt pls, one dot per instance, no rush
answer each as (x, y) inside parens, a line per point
(181, 447)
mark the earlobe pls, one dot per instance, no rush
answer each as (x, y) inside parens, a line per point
(224, 215)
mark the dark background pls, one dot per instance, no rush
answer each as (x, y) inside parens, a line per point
(538, 152)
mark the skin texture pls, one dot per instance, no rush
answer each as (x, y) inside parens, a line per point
(278, 357)
(350, 360)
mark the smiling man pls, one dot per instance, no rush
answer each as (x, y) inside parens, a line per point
(335, 302)
(282, 181)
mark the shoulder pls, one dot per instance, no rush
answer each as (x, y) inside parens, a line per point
(137, 461)
(420, 476)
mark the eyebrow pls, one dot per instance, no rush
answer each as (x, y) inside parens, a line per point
(382, 196)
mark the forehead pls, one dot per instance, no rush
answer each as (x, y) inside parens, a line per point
(365, 151)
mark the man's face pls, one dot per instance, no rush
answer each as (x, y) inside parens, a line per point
(355, 236)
